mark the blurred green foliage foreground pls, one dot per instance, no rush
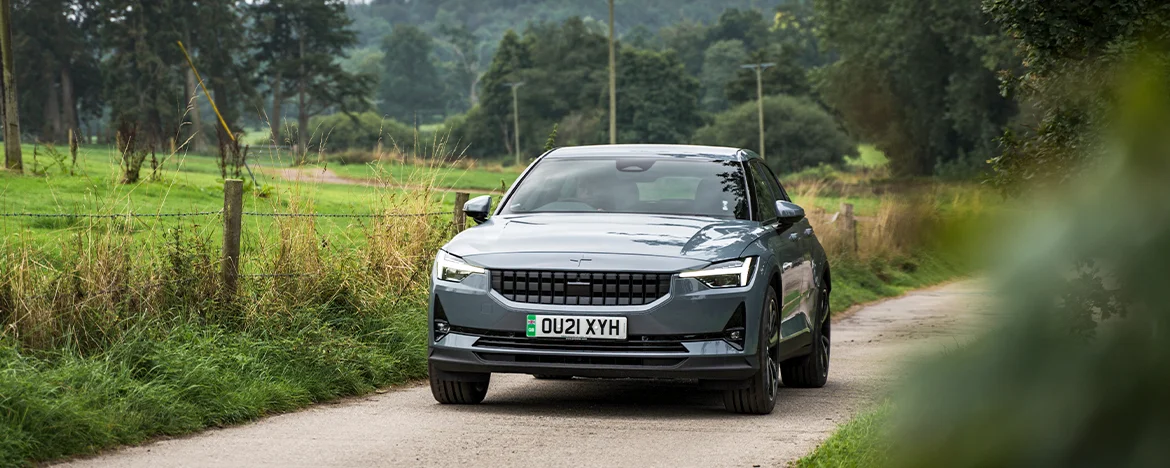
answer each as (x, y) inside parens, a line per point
(1077, 372)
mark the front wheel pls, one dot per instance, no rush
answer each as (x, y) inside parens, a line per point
(456, 392)
(760, 395)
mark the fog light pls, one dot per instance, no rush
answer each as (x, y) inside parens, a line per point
(442, 328)
(735, 335)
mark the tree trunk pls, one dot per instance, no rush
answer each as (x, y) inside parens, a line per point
(277, 104)
(473, 96)
(68, 103)
(506, 136)
(198, 142)
(52, 114)
(12, 156)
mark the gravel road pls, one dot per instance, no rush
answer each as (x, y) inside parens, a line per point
(581, 423)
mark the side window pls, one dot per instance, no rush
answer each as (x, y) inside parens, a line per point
(764, 201)
(774, 182)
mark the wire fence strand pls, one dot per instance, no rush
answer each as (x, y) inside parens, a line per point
(219, 212)
(339, 215)
(109, 216)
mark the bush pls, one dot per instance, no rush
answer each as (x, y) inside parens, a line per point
(799, 133)
(362, 131)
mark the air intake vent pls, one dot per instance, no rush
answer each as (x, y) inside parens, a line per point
(580, 288)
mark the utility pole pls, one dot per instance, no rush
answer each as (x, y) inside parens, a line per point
(12, 157)
(612, 81)
(760, 67)
(516, 117)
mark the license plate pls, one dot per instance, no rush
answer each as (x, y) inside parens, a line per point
(576, 327)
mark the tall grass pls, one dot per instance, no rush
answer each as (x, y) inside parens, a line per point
(908, 240)
(123, 332)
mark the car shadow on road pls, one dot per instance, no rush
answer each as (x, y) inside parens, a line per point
(626, 399)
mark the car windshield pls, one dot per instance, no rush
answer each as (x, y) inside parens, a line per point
(672, 186)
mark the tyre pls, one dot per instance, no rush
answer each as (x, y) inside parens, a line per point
(454, 392)
(812, 371)
(552, 377)
(760, 395)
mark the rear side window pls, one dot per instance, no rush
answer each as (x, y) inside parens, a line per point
(774, 182)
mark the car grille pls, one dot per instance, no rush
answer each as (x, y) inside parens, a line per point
(580, 288)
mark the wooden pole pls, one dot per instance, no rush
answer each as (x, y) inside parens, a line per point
(850, 225)
(12, 156)
(460, 221)
(760, 106)
(516, 121)
(233, 204)
(612, 80)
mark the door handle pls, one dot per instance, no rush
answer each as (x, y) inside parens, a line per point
(793, 237)
(808, 232)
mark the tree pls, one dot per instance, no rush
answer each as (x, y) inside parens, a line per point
(660, 101)
(915, 77)
(468, 52)
(488, 124)
(143, 71)
(1072, 50)
(63, 81)
(410, 79)
(221, 46)
(786, 76)
(721, 62)
(747, 26)
(298, 42)
(798, 133)
(689, 41)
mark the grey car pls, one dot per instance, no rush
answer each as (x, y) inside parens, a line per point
(635, 261)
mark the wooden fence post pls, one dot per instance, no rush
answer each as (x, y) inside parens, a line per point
(850, 225)
(460, 221)
(233, 204)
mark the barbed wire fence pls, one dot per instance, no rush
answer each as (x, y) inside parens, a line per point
(233, 202)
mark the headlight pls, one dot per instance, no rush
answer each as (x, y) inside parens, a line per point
(724, 274)
(451, 268)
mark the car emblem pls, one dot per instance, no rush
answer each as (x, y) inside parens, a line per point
(581, 260)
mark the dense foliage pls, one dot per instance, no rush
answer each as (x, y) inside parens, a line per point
(1072, 50)
(799, 133)
(106, 66)
(363, 131)
(917, 78)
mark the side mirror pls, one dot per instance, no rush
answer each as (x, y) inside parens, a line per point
(788, 212)
(478, 208)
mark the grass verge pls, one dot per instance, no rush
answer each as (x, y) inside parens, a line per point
(182, 376)
(858, 443)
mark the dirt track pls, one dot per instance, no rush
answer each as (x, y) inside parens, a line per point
(525, 422)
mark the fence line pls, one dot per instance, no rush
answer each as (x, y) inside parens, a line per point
(109, 216)
(208, 213)
(232, 215)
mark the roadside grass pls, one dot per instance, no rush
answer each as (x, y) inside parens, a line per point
(859, 443)
(178, 376)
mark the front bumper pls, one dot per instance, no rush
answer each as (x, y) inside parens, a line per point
(488, 335)
(453, 360)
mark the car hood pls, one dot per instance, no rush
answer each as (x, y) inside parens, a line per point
(688, 240)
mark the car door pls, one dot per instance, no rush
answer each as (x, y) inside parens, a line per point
(808, 265)
(784, 242)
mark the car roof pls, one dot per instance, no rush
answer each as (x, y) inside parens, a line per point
(711, 152)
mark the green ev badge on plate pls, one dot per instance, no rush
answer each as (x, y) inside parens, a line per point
(531, 329)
